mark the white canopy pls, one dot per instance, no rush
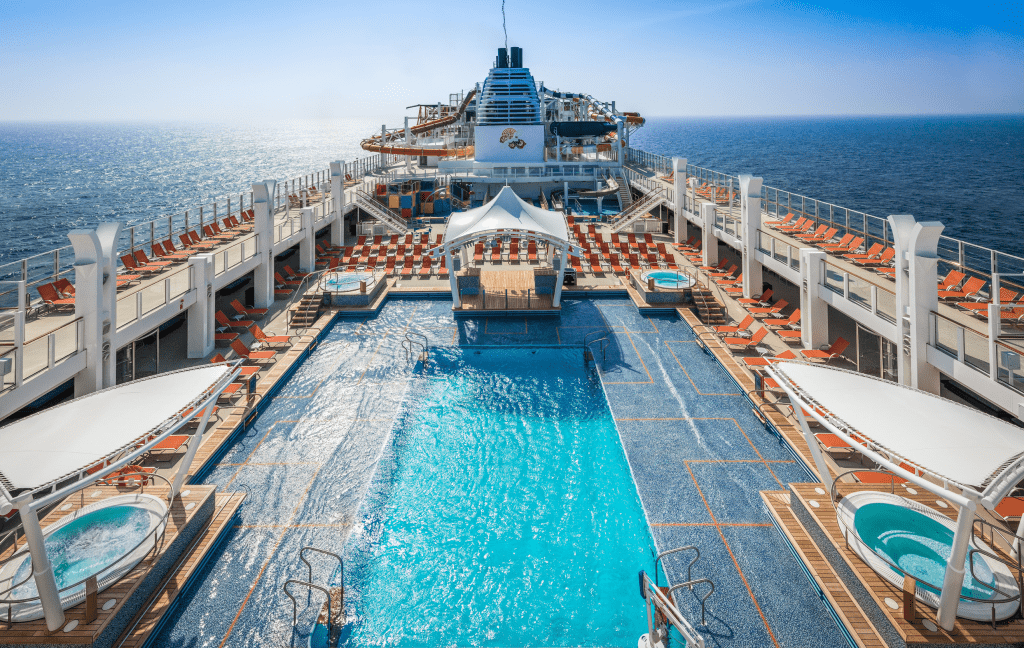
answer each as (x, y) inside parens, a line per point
(66, 439)
(950, 441)
(506, 211)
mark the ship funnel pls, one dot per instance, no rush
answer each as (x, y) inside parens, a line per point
(502, 60)
(517, 57)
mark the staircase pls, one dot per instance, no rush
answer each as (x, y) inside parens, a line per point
(369, 204)
(708, 309)
(625, 195)
(307, 311)
(638, 210)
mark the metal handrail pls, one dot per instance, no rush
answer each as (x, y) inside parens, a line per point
(689, 569)
(653, 596)
(302, 557)
(295, 604)
(689, 584)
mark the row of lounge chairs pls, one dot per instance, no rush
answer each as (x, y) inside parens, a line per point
(415, 262)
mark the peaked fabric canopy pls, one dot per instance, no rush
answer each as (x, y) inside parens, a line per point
(506, 211)
(66, 439)
(950, 441)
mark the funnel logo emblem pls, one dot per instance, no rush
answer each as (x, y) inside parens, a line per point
(509, 135)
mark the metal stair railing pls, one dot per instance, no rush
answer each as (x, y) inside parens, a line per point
(412, 341)
(638, 210)
(368, 203)
(587, 342)
(625, 195)
(295, 604)
(656, 601)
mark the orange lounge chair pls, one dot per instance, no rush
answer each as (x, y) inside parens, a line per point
(442, 270)
(478, 253)
(224, 338)
(142, 259)
(244, 352)
(833, 351)
(169, 247)
(228, 323)
(246, 311)
(731, 272)
(764, 361)
(53, 298)
(614, 263)
(285, 282)
(873, 251)
(129, 262)
(425, 267)
(784, 221)
(777, 307)
(496, 254)
(739, 344)
(744, 325)
(1011, 508)
(407, 267)
(721, 265)
(971, 287)
(67, 289)
(762, 299)
(883, 259)
(595, 264)
(807, 236)
(878, 478)
(792, 320)
(294, 275)
(843, 248)
(269, 340)
(842, 243)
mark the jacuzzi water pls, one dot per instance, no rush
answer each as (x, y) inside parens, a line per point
(919, 545)
(503, 512)
(86, 545)
(668, 279)
(348, 281)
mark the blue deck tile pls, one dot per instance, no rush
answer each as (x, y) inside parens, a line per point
(690, 438)
(666, 489)
(206, 610)
(732, 617)
(793, 609)
(731, 490)
(274, 492)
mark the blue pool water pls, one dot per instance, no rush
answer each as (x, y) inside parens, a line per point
(87, 545)
(588, 206)
(668, 279)
(504, 513)
(920, 546)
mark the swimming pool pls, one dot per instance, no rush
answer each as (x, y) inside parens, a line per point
(503, 513)
(347, 281)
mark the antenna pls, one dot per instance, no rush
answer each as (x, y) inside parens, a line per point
(503, 28)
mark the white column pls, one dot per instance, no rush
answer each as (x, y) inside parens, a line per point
(750, 225)
(193, 447)
(452, 279)
(307, 249)
(902, 227)
(201, 324)
(96, 303)
(709, 243)
(42, 571)
(618, 142)
(813, 309)
(679, 186)
(922, 262)
(561, 277)
(338, 195)
(263, 275)
(953, 580)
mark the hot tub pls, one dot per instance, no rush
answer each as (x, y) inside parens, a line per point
(670, 279)
(105, 539)
(347, 282)
(884, 528)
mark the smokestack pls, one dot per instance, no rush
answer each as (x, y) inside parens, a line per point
(517, 57)
(502, 58)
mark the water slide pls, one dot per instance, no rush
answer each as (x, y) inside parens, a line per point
(376, 145)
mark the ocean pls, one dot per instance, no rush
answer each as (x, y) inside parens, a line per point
(965, 171)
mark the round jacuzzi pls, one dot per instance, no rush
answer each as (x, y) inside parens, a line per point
(341, 282)
(105, 539)
(668, 279)
(885, 529)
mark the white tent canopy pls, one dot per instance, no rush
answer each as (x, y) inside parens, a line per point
(509, 212)
(951, 442)
(63, 440)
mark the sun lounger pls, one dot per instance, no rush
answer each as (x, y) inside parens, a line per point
(269, 340)
(764, 311)
(971, 287)
(228, 323)
(244, 352)
(246, 311)
(739, 344)
(762, 299)
(827, 355)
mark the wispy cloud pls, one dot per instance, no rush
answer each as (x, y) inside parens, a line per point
(689, 11)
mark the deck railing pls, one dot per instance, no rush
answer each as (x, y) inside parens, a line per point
(136, 305)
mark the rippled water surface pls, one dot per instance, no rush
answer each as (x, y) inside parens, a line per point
(504, 513)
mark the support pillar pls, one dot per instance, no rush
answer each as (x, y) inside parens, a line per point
(953, 581)
(709, 243)
(96, 304)
(453, 280)
(201, 324)
(916, 264)
(193, 447)
(618, 141)
(263, 275)
(556, 300)
(307, 244)
(750, 225)
(813, 309)
(42, 571)
(679, 187)
(338, 196)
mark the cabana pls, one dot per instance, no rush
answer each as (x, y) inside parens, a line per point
(506, 215)
(951, 450)
(61, 450)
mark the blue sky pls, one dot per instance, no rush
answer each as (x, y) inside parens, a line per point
(231, 61)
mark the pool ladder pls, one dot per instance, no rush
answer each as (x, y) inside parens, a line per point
(661, 607)
(334, 606)
(414, 341)
(588, 353)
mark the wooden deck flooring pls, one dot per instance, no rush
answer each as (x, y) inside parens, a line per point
(508, 290)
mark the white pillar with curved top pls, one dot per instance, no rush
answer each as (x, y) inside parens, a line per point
(307, 258)
(263, 275)
(42, 570)
(953, 580)
(338, 196)
(556, 299)
(679, 195)
(202, 326)
(96, 303)
(916, 265)
(750, 225)
(709, 243)
(813, 309)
